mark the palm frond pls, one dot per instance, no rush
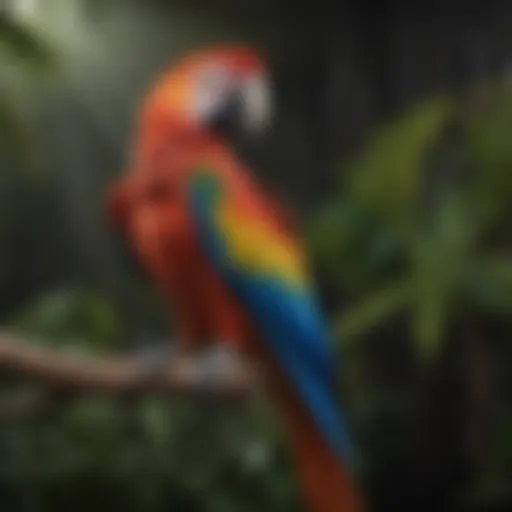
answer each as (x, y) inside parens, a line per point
(371, 311)
(388, 176)
(22, 45)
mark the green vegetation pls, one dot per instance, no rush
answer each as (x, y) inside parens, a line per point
(21, 52)
(417, 238)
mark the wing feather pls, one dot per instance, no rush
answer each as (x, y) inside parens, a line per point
(266, 271)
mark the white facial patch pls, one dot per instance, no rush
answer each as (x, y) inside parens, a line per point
(214, 86)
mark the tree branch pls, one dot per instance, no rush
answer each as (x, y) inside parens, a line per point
(116, 374)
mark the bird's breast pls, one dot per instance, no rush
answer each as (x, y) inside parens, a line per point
(164, 238)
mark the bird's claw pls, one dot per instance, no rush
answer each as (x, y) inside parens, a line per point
(214, 365)
(155, 359)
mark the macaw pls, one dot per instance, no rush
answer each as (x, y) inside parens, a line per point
(227, 256)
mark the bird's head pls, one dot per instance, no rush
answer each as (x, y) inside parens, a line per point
(216, 91)
(219, 93)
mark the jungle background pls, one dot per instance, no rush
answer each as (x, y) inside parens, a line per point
(393, 146)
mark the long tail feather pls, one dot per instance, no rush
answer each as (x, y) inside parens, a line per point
(327, 485)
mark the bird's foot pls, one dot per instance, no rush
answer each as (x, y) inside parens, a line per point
(216, 367)
(156, 358)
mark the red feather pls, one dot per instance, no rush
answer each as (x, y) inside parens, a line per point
(149, 205)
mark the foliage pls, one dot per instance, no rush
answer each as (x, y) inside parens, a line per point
(417, 239)
(20, 44)
(401, 239)
(66, 318)
(140, 454)
(20, 50)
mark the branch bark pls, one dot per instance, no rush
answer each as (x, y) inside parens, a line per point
(116, 374)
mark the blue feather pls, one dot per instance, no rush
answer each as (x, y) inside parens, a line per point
(288, 320)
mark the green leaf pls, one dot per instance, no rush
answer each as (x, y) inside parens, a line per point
(387, 177)
(65, 316)
(22, 48)
(490, 153)
(155, 418)
(372, 311)
(441, 259)
(352, 245)
(488, 134)
(338, 238)
(20, 43)
(490, 284)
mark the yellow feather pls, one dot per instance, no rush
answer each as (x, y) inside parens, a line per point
(252, 244)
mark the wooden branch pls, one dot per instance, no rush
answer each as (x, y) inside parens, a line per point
(116, 374)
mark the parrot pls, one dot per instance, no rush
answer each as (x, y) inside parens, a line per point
(228, 258)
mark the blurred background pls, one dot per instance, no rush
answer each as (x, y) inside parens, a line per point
(393, 145)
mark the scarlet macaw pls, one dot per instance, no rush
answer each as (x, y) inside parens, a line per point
(224, 255)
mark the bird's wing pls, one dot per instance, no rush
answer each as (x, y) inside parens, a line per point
(265, 271)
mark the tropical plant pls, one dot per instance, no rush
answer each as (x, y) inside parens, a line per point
(21, 50)
(417, 239)
(420, 220)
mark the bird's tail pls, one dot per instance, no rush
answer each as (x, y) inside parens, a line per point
(327, 484)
